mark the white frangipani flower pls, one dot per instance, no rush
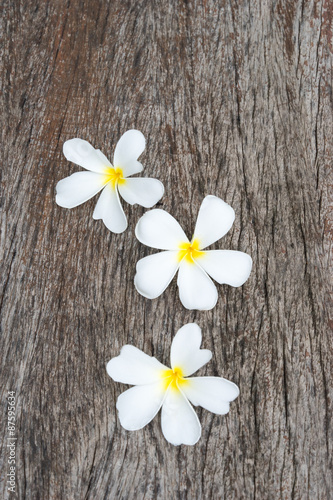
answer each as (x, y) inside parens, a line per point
(158, 229)
(113, 179)
(156, 386)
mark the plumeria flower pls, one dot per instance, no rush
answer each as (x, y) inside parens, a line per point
(158, 229)
(172, 389)
(112, 179)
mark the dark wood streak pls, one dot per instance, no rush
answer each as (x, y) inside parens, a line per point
(235, 99)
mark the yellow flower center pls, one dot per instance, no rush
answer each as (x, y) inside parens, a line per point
(173, 379)
(189, 251)
(115, 176)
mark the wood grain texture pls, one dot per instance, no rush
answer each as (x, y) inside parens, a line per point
(235, 99)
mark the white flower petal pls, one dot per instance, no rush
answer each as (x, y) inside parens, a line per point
(82, 153)
(212, 393)
(133, 167)
(78, 188)
(138, 406)
(134, 367)
(196, 289)
(227, 266)
(180, 424)
(185, 350)
(214, 220)
(143, 191)
(103, 158)
(128, 149)
(155, 272)
(158, 229)
(110, 210)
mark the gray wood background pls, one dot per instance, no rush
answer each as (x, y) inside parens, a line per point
(235, 99)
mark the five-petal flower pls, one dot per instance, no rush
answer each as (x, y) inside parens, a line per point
(156, 386)
(113, 179)
(158, 229)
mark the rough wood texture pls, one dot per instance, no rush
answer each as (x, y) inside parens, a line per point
(235, 99)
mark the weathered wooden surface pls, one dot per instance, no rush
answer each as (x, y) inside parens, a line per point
(235, 99)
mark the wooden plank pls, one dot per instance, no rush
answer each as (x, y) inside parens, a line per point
(235, 99)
